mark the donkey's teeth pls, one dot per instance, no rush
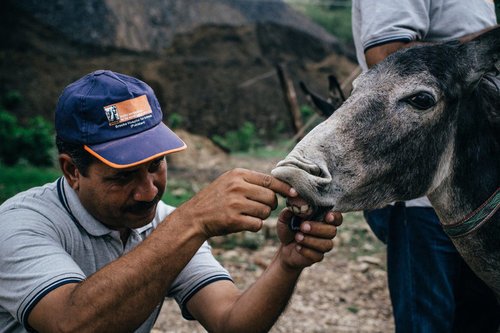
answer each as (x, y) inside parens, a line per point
(299, 207)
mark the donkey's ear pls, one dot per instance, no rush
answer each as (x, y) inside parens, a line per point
(482, 54)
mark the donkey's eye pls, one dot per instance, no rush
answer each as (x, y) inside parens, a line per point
(421, 100)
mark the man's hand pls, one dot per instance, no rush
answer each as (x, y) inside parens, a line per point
(236, 201)
(307, 246)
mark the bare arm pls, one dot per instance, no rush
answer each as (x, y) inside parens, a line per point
(222, 308)
(119, 297)
(376, 54)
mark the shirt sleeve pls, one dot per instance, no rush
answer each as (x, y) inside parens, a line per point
(202, 270)
(33, 262)
(386, 21)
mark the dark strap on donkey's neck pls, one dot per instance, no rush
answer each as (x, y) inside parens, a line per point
(475, 219)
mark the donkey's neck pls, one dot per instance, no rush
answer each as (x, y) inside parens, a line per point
(474, 174)
(453, 203)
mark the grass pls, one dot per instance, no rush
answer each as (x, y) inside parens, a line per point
(246, 240)
(266, 152)
(15, 179)
(360, 240)
(178, 192)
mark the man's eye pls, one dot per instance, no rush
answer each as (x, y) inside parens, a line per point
(122, 177)
(422, 100)
(156, 164)
(158, 161)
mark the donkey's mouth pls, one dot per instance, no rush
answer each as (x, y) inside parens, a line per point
(304, 211)
(310, 180)
(300, 207)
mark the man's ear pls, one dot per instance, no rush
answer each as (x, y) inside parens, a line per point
(70, 171)
(481, 55)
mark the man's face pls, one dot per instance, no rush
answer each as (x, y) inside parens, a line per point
(123, 198)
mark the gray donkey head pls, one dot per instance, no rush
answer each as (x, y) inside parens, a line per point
(401, 133)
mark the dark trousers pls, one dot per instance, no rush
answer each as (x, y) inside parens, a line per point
(431, 287)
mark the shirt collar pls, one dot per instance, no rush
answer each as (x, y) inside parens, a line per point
(79, 214)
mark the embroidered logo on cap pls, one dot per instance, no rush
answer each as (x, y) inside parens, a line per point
(112, 114)
(131, 112)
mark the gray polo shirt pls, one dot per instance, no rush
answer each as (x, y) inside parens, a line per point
(48, 239)
(384, 21)
(377, 22)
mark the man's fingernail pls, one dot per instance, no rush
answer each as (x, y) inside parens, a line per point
(292, 192)
(330, 217)
(299, 237)
(298, 248)
(306, 227)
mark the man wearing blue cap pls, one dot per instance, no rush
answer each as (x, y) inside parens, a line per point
(97, 250)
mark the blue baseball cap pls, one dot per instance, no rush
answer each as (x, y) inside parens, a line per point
(116, 118)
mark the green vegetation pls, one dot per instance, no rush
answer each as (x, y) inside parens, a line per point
(247, 240)
(354, 309)
(276, 150)
(31, 141)
(178, 192)
(357, 240)
(18, 178)
(11, 99)
(27, 150)
(175, 120)
(306, 112)
(242, 140)
(333, 15)
(14, 179)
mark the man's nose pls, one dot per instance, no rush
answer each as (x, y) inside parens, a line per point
(146, 190)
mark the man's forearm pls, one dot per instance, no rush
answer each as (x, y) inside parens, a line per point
(470, 37)
(377, 54)
(258, 308)
(122, 295)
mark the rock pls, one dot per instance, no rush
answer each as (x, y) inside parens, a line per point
(200, 154)
(150, 25)
(370, 260)
(200, 75)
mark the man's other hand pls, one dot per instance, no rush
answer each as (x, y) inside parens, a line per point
(309, 245)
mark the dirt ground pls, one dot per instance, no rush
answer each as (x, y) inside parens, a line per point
(346, 292)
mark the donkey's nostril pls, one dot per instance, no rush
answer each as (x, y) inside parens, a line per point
(315, 170)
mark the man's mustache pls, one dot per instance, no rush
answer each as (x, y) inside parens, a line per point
(140, 207)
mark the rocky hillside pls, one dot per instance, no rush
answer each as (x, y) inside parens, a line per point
(212, 63)
(151, 25)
